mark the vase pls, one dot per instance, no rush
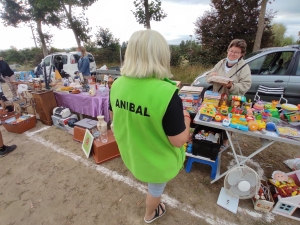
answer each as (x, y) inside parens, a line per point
(102, 128)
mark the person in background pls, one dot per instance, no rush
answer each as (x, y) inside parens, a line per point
(234, 67)
(149, 133)
(84, 63)
(9, 76)
(5, 149)
(109, 83)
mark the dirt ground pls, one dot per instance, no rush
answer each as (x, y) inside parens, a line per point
(48, 180)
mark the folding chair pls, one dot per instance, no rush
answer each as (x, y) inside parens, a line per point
(274, 91)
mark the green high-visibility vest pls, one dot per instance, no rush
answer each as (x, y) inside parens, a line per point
(139, 105)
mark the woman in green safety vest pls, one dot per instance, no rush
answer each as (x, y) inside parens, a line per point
(150, 125)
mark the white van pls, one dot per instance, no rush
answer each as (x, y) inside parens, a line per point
(66, 61)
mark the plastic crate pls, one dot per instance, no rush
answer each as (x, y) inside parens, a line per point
(206, 148)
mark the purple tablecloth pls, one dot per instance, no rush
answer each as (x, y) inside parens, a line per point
(84, 104)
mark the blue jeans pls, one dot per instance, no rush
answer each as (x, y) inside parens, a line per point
(156, 190)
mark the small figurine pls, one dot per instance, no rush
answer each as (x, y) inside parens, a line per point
(274, 104)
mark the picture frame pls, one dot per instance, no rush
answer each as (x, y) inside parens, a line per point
(87, 143)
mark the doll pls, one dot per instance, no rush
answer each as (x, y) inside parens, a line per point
(284, 185)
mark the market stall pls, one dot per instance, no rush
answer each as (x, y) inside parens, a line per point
(83, 103)
(222, 117)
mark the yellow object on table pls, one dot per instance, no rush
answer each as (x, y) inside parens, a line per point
(66, 88)
(289, 107)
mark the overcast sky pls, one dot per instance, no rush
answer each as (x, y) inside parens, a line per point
(117, 16)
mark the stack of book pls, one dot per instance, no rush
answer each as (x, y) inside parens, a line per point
(288, 132)
(212, 98)
(191, 98)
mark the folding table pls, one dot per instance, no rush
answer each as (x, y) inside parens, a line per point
(266, 140)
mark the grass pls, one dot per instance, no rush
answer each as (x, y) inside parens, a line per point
(187, 74)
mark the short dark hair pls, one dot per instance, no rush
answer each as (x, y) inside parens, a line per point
(239, 43)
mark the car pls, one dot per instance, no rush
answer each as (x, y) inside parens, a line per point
(273, 67)
(66, 61)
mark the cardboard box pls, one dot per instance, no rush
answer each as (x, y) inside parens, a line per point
(105, 151)
(22, 126)
(263, 205)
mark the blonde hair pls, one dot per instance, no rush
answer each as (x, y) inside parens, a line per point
(83, 50)
(147, 55)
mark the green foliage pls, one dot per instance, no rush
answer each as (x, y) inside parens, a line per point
(146, 12)
(175, 55)
(227, 20)
(280, 39)
(27, 56)
(105, 38)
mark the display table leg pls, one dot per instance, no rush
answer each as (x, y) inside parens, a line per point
(265, 143)
(80, 116)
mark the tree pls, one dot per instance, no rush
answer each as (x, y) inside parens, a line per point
(146, 12)
(278, 30)
(280, 39)
(227, 20)
(77, 23)
(260, 25)
(105, 38)
(38, 11)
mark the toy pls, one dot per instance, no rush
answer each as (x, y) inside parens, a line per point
(226, 121)
(293, 116)
(224, 99)
(248, 105)
(274, 113)
(241, 121)
(189, 148)
(218, 117)
(224, 108)
(284, 185)
(185, 146)
(287, 108)
(261, 126)
(270, 126)
(237, 98)
(239, 127)
(207, 112)
(258, 106)
(268, 106)
(252, 125)
(274, 104)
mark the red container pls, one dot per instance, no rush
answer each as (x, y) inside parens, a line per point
(22, 126)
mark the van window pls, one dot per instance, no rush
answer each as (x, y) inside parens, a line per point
(47, 60)
(65, 59)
